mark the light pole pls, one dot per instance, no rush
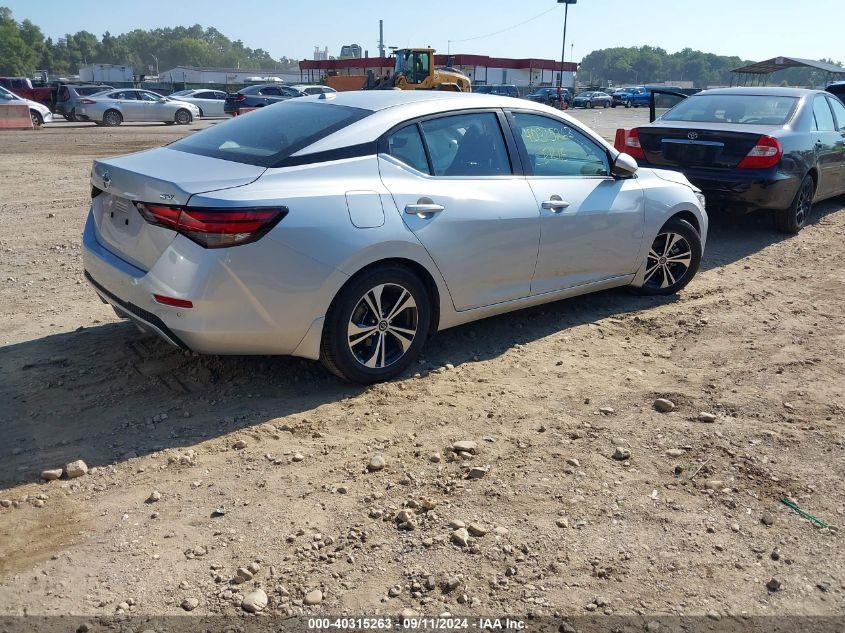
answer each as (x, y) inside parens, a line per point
(566, 4)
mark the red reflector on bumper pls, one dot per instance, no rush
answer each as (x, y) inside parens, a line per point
(172, 301)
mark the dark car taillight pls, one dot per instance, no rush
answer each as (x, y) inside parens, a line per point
(766, 153)
(240, 98)
(630, 143)
(214, 228)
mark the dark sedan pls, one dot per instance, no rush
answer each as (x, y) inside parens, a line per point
(549, 96)
(592, 99)
(752, 148)
(258, 97)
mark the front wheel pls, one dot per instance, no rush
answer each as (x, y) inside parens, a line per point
(183, 117)
(590, 105)
(37, 120)
(376, 326)
(672, 260)
(795, 217)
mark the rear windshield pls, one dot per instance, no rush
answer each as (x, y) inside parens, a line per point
(265, 137)
(747, 109)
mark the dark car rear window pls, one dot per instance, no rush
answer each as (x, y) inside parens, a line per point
(727, 108)
(265, 137)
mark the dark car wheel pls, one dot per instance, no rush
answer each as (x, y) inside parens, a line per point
(590, 105)
(376, 326)
(628, 103)
(112, 118)
(672, 260)
(795, 217)
(37, 121)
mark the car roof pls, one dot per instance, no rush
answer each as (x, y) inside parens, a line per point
(393, 107)
(761, 91)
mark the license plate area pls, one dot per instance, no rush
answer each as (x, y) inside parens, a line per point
(684, 152)
(120, 213)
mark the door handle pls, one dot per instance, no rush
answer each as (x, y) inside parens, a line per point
(423, 208)
(555, 203)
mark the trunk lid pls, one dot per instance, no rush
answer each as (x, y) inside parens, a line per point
(689, 144)
(162, 176)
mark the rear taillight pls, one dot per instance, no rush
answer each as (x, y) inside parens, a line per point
(87, 101)
(632, 146)
(766, 153)
(214, 228)
(240, 98)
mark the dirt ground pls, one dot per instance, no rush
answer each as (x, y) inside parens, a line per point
(265, 460)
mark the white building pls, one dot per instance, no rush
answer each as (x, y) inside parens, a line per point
(106, 73)
(224, 76)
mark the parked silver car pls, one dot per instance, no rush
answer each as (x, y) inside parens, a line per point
(351, 227)
(209, 102)
(113, 107)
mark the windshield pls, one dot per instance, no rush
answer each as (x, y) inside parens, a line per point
(270, 134)
(727, 108)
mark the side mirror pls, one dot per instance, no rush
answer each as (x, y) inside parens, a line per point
(624, 166)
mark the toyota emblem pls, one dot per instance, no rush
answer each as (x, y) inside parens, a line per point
(692, 136)
(106, 180)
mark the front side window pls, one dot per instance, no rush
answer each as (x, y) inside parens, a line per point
(269, 135)
(555, 149)
(839, 111)
(822, 115)
(407, 146)
(467, 145)
(270, 92)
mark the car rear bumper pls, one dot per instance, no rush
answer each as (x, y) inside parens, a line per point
(741, 189)
(239, 305)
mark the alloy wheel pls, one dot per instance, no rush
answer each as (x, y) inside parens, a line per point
(668, 260)
(382, 326)
(804, 203)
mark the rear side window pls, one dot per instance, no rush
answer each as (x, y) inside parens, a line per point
(839, 111)
(269, 135)
(91, 90)
(467, 145)
(822, 115)
(734, 108)
(204, 95)
(407, 146)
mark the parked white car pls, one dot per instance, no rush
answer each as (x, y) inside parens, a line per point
(210, 102)
(38, 112)
(313, 89)
(113, 107)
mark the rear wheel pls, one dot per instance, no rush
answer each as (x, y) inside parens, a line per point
(183, 117)
(376, 326)
(37, 120)
(112, 118)
(672, 260)
(795, 217)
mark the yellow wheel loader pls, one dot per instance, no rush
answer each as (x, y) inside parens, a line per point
(414, 70)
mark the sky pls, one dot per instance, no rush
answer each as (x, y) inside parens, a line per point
(751, 29)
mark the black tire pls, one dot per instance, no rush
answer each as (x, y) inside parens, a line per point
(336, 349)
(612, 105)
(795, 217)
(112, 118)
(37, 120)
(627, 104)
(183, 117)
(606, 105)
(676, 262)
(590, 105)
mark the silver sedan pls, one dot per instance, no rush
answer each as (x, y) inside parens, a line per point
(113, 107)
(351, 227)
(210, 102)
